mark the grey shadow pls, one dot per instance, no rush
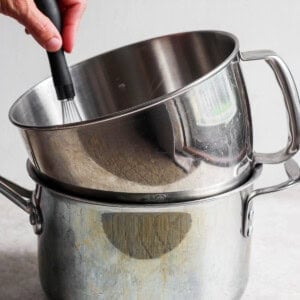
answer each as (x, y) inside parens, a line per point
(19, 277)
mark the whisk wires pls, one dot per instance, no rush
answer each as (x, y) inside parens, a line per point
(70, 113)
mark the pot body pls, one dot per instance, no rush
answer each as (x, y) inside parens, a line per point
(95, 249)
(190, 250)
(167, 115)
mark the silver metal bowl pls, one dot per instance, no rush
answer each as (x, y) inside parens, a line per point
(170, 114)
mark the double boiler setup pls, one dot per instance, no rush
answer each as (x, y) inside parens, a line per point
(150, 195)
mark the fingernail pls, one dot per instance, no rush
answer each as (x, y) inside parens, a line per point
(53, 44)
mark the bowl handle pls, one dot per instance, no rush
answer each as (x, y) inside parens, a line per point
(293, 171)
(24, 199)
(291, 99)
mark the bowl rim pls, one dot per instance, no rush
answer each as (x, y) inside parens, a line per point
(144, 105)
(130, 200)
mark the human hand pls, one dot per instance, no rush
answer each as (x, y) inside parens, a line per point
(40, 26)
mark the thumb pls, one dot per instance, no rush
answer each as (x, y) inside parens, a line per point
(41, 28)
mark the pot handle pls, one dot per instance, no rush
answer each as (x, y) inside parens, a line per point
(293, 171)
(24, 199)
(291, 99)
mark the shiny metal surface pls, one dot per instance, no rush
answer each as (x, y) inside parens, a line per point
(292, 170)
(291, 97)
(95, 250)
(175, 252)
(109, 251)
(115, 197)
(169, 114)
(24, 199)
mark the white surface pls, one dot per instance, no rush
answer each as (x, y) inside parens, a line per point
(273, 24)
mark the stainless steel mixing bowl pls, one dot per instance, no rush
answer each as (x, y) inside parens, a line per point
(91, 249)
(170, 114)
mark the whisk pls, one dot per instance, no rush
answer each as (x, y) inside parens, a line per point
(70, 113)
(60, 72)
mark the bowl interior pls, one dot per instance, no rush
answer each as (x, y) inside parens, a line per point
(128, 77)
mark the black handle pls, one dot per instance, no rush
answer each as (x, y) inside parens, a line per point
(59, 68)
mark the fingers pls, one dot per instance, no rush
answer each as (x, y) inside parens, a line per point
(72, 11)
(41, 28)
(36, 23)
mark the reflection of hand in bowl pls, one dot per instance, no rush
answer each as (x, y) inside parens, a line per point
(146, 235)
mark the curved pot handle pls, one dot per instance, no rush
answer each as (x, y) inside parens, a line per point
(293, 171)
(24, 199)
(291, 99)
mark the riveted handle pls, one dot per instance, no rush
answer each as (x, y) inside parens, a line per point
(24, 199)
(18, 195)
(60, 72)
(293, 172)
(291, 100)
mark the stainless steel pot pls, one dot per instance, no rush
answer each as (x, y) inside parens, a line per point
(92, 249)
(170, 114)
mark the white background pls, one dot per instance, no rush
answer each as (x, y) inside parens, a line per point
(264, 24)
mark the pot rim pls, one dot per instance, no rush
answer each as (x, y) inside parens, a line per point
(144, 105)
(190, 197)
